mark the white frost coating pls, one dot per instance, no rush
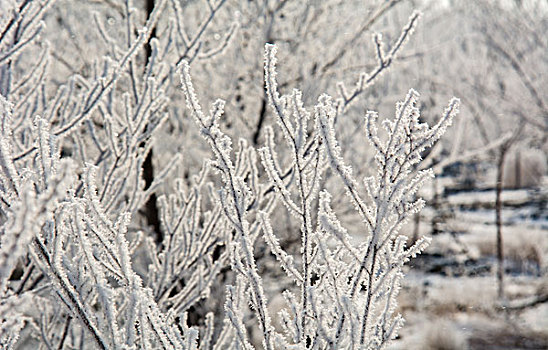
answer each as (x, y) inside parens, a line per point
(195, 256)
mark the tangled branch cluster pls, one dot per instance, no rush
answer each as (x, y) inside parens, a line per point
(79, 266)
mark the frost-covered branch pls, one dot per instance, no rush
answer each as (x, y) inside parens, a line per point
(92, 134)
(384, 61)
(235, 197)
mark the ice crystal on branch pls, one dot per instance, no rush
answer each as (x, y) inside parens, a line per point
(125, 244)
(369, 299)
(346, 298)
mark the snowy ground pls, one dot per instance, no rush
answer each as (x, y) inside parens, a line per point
(449, 296)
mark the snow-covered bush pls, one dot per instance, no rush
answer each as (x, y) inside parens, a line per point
(109, 240)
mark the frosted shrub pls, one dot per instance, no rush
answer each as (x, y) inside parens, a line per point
(80, 267)
(346, 298)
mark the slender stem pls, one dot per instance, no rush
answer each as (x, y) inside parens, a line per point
(498, 215)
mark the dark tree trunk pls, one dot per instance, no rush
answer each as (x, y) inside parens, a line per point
(149, 6)
(262, 115)
(436, 217)
(498, 214)
(151, 209)
(416, 227)
(517, 168)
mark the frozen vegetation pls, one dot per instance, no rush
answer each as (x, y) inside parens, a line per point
(230, 174)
